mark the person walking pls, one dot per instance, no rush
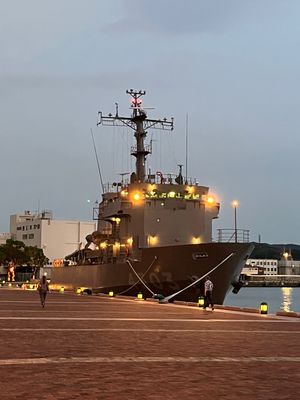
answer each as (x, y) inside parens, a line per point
(208, 289)
(43, 288)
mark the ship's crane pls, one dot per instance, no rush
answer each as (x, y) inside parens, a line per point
(140, 124)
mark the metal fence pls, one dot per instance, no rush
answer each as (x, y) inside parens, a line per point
(233, 235)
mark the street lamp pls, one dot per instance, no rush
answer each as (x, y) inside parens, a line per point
(235, 204)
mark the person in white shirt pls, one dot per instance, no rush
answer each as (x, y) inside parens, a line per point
(208, 289)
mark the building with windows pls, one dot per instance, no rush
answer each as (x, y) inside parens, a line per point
(57, 238)
(4, 237)
(260, 267)
(287, 265)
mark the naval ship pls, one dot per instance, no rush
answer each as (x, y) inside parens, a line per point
(154, 231)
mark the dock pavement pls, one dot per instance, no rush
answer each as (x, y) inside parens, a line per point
(97, 347)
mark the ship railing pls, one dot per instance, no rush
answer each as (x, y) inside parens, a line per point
(161, 178)
(157, 178)
(147, 149)
(233, 235)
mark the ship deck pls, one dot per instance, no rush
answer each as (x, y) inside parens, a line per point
(98, 347)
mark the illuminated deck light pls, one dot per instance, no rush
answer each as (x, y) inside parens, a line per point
(140, 296)
(263, 308)
(201, 302)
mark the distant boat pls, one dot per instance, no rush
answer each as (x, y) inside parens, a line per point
(154, 231)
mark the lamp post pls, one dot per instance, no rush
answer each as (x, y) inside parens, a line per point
(235, 204)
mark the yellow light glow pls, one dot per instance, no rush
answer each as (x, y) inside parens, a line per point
(153, 240)
(190, 189)
(211, 200)
(172, 194)
(287, 298)
(130, 241)
(124, 193)
(196, 240)
(137, 196)
(103, 245)
(140, 296)
(235, 203)
(151, 188)
(286, 255)
(117, 245)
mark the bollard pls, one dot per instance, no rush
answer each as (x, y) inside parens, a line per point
(201, 302)
(263, 308)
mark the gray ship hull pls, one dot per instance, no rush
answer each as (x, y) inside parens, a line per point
(164, 270)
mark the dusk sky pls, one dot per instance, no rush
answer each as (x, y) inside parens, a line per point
(232, 66)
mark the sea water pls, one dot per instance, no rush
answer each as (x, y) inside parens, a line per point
(277, 298)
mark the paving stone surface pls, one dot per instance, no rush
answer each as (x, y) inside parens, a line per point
(95, 347)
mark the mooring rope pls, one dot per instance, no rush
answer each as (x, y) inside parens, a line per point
(126, 290)
(139, 278)
(166, 299)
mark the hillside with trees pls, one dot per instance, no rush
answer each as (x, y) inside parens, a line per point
(275, 251)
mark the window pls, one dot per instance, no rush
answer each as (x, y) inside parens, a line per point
(24, 236)
(30, 236)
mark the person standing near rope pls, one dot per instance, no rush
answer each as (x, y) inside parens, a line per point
(208, 289)
(43, 288)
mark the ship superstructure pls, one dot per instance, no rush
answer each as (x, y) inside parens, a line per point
(151, 210)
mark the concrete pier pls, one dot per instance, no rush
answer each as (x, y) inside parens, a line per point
(95, 347)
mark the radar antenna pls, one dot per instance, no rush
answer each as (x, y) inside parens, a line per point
(139, 123)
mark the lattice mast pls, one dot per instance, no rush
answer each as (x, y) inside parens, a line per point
(139, 123)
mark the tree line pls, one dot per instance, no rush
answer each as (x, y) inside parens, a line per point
(16, 252)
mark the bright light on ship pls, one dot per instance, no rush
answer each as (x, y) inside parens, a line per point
(103, 245)
(196, 240)
(172, 194)
(211, 200)
(130, 241)
(190, 189)
(124, 193)
(153, 240)
(137, 196)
